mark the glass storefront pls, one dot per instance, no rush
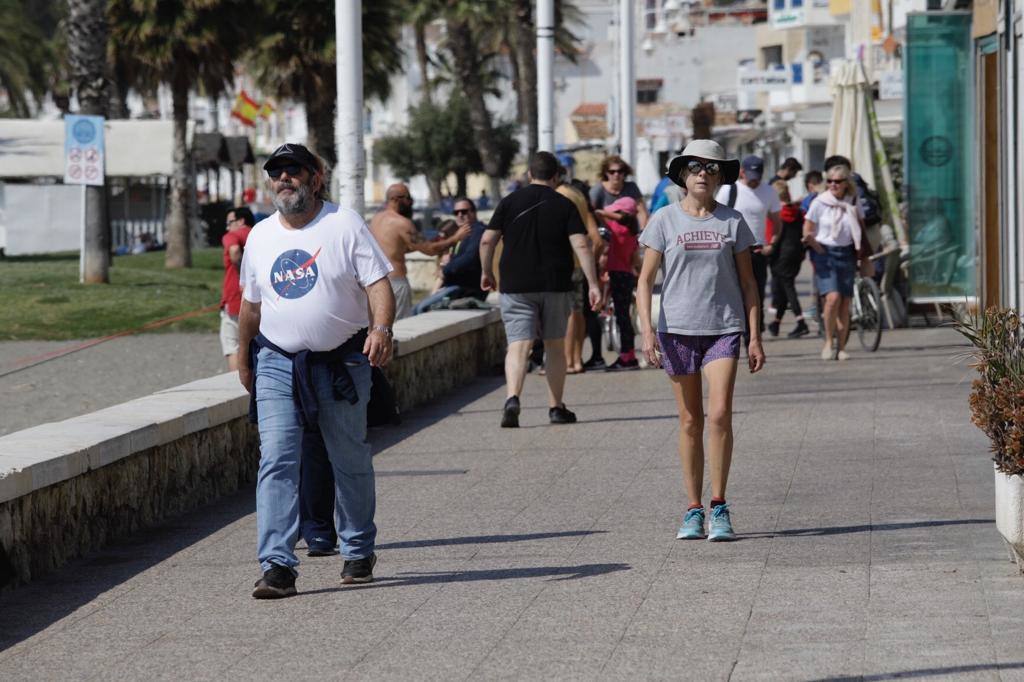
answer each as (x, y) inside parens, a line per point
(939, 157)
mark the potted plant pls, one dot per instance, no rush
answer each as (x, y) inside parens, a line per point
(997, 408)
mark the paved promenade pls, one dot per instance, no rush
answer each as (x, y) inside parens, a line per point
(862, 493)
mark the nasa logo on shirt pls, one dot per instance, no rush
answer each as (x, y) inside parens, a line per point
(295, 273)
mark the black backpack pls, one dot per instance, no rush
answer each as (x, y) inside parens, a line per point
(868, 202)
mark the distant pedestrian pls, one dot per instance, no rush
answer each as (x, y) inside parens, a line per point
(239, 223)
(461, 268)
(576, 332)
(833, 229)
(814, 183)
(708, 298)
(759, 205)
(540, 230)
(397, 235)
(787, 257)
(317, 309)
(621, 221)
(614, 186)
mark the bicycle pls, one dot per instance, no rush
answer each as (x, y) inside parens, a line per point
(866, 312)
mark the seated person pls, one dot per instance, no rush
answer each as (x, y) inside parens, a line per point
(461, 273)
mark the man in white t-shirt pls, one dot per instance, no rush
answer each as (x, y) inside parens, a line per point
(759, 204)
(318, 308)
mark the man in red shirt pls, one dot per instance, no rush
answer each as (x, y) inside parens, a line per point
(239, 223)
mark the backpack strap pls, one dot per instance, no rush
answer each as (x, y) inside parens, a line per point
(732, 195)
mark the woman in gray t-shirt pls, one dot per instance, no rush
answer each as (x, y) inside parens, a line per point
(708, 299)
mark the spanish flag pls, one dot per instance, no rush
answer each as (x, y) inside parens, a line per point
(266, 110)
(245, 110)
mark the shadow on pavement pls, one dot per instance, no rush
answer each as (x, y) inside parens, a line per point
(487, 539)
(556, 573)
(926, 672)
(864, 528)
(33, 607)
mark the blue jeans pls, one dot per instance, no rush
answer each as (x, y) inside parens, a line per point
(343, 430)
(434, 298)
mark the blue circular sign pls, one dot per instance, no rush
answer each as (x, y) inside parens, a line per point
(295, 273)
(84, 131)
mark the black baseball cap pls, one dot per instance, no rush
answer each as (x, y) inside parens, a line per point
(292, 153)
(753, 167)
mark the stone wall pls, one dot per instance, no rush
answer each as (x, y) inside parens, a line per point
(70, 487)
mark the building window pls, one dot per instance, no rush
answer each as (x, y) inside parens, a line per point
(650, 14)
(647, 90)
(771, 56)
(780, 4)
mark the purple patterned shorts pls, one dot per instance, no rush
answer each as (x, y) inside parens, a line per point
(682, 354)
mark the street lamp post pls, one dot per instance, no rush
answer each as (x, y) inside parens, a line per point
(546, 75)
(627, 83)
(348, 26)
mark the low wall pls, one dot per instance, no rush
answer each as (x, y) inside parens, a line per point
(70, 487)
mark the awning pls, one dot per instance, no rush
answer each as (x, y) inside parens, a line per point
(34, 149)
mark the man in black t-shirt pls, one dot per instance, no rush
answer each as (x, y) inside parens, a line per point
(540, 230)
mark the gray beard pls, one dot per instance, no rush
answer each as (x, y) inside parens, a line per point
(299, 201)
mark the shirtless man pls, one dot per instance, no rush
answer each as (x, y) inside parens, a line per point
(397, 235)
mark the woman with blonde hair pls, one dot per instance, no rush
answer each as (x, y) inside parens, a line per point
(708, 299)
(833, 229)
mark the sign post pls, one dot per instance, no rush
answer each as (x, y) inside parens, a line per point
(83, 165)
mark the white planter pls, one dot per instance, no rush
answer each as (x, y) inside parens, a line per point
(1010, 513)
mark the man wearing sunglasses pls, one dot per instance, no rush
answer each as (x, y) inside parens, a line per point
(238, 224)
(460, 268)
(398, 235)
(317, 307)
(759, 204)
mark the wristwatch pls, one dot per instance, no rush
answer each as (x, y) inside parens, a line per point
(386, 331)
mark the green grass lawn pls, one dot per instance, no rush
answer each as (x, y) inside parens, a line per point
(42, 299)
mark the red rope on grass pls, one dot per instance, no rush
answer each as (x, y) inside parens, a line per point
(26, 363)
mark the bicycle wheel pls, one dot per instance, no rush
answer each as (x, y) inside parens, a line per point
(869, 317)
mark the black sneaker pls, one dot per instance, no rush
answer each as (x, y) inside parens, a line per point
(277, 582)
(510, 415)
(800, 330)
(358, 571)
(621, 365)
(773, 328)
(595, 363)
(561, 415)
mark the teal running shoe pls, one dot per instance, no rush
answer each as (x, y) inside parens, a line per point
(693, 525)
(720, 526)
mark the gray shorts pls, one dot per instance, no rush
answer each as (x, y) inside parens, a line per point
(403, 296)
(228, 332)
(542, 315)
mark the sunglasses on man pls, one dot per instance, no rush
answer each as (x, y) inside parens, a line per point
(461, 211)
(834, 181)
(292, 169)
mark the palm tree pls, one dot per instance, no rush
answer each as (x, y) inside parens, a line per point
(186, 44)
(27, 57)
(296, 58)
(86, 28)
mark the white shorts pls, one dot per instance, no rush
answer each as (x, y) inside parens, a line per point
(403, 296)
(228, 332)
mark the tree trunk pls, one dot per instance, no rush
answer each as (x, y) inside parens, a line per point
(434, 186)
(513, 62)
(460, 182)
(466, 54)
(320, 124)
(87, 56)
(179, 252)
(420, 31)
(526, 91)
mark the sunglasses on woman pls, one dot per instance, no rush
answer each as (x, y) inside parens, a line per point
(710, 167)
(834, 181)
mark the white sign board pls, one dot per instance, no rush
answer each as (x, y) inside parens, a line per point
(763, 81)
(83, 150)
(890, 85)
(787, 18)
